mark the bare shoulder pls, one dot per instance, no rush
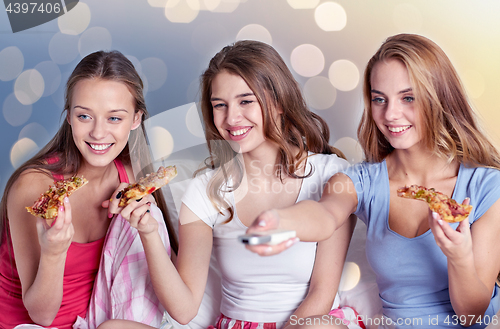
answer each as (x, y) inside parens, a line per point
(27, 188)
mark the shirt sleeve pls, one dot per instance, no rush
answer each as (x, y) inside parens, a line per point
(196, 199)
(484, 190)
(360, 177)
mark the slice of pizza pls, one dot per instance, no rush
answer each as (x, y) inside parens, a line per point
(47, 205)
(449, 210)
(147, 185)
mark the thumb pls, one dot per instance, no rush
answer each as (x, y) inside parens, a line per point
(41, 224)
(463, 226)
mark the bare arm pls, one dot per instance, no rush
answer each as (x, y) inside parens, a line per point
(473, 262)
(325, 279)
(179, 290)
(313, 221)
(40, 252)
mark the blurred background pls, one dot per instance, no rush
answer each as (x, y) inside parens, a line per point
(325, 43)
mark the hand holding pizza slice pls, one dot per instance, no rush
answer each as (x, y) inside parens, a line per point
(147, 185)
(449, 210)
(47, 205)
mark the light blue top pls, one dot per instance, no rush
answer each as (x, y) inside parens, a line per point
(412, 273)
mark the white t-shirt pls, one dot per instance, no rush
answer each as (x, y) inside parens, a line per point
(255, 288)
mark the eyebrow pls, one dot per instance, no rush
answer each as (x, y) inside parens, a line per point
(401, 92)
(88, 109)
(212, 99)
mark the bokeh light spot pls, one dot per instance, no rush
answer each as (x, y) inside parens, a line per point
(344, 75)
(307, 60)
(193, 122)
(182, 11)
(255, 32)
(36, 132)
(63, 48)
(136, 63)
(209, 4)
(51, 75)
(156, 72)
(474, 83)
(350, 276)
(319, 93)
(161, 142)
(158, 3)
(303, 4)
(22, 150)
(11, 63)
(94, 39)
(351, 149)
(407, 18)
(330, 16)
(226, 6)
(14, 112)
(76, 20)
(29, 87)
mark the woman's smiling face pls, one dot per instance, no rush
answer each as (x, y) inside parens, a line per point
(237, 112)
(393, 104)
(101, 116)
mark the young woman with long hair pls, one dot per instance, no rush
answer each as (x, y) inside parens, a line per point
(48, 272)
(418, 127)
(267, 149)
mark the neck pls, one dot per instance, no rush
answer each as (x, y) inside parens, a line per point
(261, 162)
(419, 167)
(97, 175)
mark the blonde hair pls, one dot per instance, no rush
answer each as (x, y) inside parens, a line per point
(450, 127)
(267, 75)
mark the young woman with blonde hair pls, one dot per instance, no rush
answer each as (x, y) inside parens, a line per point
(417, 128)
(266, 150)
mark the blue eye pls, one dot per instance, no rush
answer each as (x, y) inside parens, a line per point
(83, 117)
(378, 100)
(246, 102)
(115, 119)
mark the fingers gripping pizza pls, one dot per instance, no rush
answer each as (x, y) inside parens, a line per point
(449, 210)
(47, 205)
(147, 185)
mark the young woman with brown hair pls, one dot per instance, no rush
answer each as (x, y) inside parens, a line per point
(48, 272)
(267, 149)
(417, 128)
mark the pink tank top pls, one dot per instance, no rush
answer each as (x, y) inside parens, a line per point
(82, 264)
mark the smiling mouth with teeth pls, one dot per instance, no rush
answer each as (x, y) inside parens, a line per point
(238, 132)
(398, 129)
(99, 147)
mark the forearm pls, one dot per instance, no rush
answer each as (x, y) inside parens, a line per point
(43, 298)
(469, 295)
(310, 219)
(170, 288)
(315, 304)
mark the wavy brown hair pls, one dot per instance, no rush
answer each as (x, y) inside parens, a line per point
(113, 66)
(267, 75)
(450, 126)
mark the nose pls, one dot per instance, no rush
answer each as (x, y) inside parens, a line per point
(99, 130)
(233, 115)
(393, 111)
